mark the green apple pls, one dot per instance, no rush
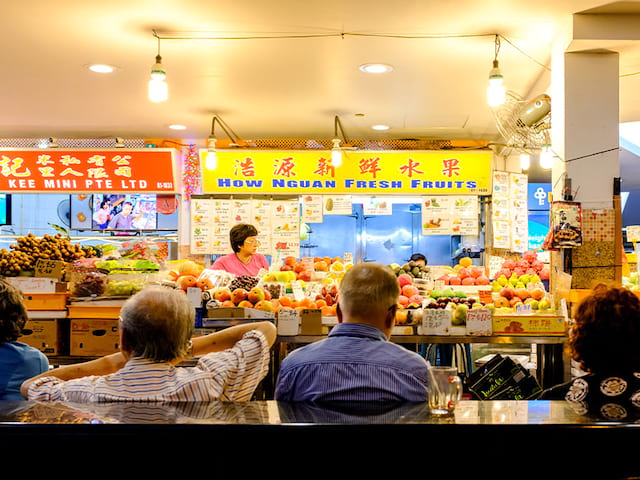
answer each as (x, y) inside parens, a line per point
(460, 315)
(544, 304)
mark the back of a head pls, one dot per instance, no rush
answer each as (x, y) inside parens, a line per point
(607, 331)
(368, 290)
(13, 313)
(157, 324)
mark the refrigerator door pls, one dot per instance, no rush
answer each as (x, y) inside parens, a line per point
(394, 238)
(335, 236)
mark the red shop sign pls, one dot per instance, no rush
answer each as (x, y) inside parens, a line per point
(55, 170)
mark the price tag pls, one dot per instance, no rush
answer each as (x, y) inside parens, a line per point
(308, 264)
(479, 322)
(633, 233)
(288, 322)
(524, 308)
(438, 285)
(348, 257)
(436, 321)
(194, 295)
(485, 296)
(296, 288)
(49, 268)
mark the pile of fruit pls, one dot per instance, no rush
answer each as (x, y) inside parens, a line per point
(334, 267)
(464, 273)
(256, 297)
(24, 254)
(187, 275)
(244, 281)
(527, 265)
(411, 268)
(631, 282)
(306, 303)
(329, 294)
(409, 294)
(510, 297)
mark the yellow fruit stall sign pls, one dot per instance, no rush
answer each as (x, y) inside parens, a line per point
(363, 172)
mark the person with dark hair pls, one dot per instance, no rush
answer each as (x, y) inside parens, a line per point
(419, 258)
(18, 361)
(244, 260)
(102, 215)
(605, 342)
(156, 333)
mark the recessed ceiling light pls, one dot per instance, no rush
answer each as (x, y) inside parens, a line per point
(177, 127)
(101, 68)
(380, 127)
(375, 68)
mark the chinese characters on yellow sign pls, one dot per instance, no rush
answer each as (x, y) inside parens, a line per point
(423, 172)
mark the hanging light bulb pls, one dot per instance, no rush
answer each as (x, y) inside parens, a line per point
(546, 158)
(212, 157)
(525, 161)
(336, 153)
(496, 92)
(158, 88)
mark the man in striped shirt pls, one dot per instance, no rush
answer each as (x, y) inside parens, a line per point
(356, 362)
(156, 327)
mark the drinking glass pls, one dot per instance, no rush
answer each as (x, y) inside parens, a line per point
(445, 390)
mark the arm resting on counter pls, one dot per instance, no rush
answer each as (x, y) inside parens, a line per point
(227, 338)
(100, 366)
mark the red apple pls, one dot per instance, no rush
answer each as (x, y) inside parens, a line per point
(402, 300)
(238, 295)
(404, 279)
(455, 281)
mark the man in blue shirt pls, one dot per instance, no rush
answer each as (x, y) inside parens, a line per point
(356, 362)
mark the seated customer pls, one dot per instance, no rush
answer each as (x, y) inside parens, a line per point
(155, 334)
(605, 340)
(356, 362)
(18, 361)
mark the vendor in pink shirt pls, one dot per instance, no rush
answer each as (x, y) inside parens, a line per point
(244, 260)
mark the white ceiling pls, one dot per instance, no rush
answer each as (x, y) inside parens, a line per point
(277, 88)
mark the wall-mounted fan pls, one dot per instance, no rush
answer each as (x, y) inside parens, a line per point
(64, 212)
(524, 124)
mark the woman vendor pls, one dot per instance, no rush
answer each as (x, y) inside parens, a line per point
(244, 260)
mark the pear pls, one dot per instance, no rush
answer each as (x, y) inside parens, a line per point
(534, 279)
(503, 280)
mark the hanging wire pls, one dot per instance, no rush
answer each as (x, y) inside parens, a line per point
(497, 48)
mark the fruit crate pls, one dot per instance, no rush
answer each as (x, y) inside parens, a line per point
(94, 311)
(45, 301)
(237, 312)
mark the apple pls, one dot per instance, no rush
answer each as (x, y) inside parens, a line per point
(417, 299)
(463, 273)
(455, 280)
(255, 295)
(238, 295)
(264, 305)
(290, 260)
(405, 279)
(222, 294)
(507, 293)
(482, 280)
(409, 291)
(204, 284)
(402, 300)
(522, 293)
(245, 304)
(468, 281)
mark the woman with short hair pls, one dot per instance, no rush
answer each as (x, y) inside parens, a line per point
(605, 341)
(18, 361)
(244, 260)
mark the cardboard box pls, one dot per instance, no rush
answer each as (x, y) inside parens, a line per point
(94, 337)
(237, 312)
(529, 325)
(45, 301)
(310, 322)
(38, 284)
(94, 311)
(49, 336)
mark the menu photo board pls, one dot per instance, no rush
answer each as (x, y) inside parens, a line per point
(312, 209)
(337, 205)
(285, 228)
(450, 215)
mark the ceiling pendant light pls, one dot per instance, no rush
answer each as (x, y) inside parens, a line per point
(525, 161)
(546, 157)
(336, 150)
(211, 162)
(496, 92)
(336, 153)
(158, 88)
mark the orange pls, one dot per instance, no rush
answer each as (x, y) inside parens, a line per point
(320, 303)
(305, 302)
(466, 262)
(285, 301)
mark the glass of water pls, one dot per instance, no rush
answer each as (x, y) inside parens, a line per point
(445, 390)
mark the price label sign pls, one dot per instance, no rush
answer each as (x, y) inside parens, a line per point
(436, 321)
(485, 296)
(348, 257)
(633, 233)
(479, 322)
(49, 268)
(288, 322)
(524, 308)
(296, 288)
(194, 295)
